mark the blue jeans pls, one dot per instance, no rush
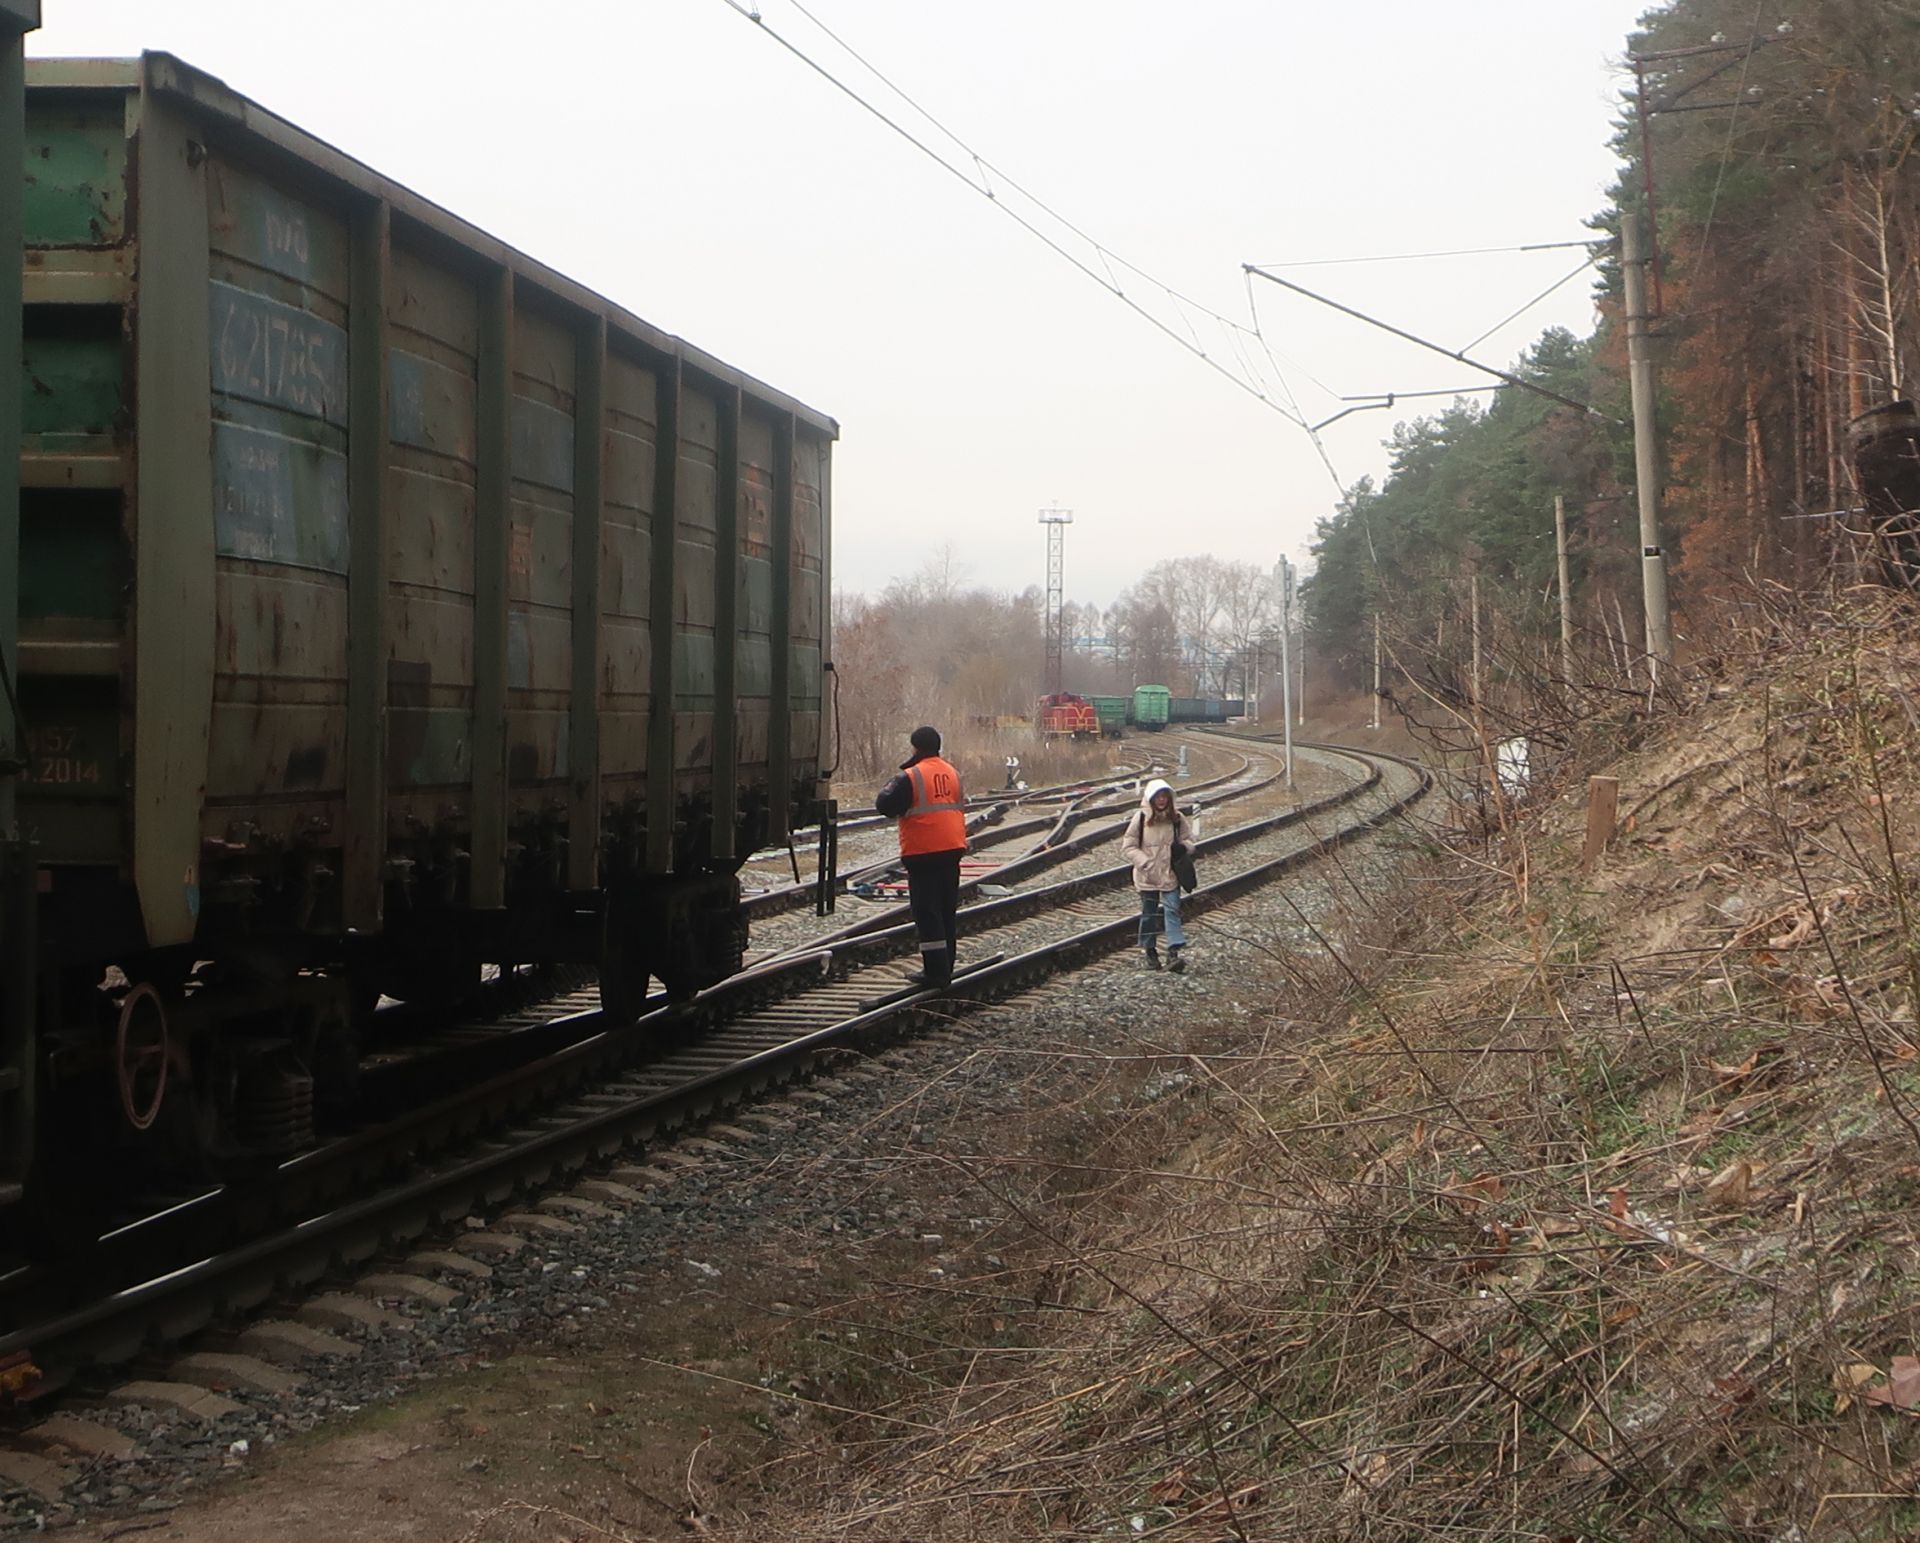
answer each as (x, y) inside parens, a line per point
(1154, 905)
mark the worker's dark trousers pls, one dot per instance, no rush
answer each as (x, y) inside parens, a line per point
(933, 894)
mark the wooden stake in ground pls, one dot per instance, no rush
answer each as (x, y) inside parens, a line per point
(1603, 798)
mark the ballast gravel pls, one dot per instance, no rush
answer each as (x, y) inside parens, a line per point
(826, 1167)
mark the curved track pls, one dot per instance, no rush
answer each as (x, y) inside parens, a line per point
(587, 1095)
(993, 820)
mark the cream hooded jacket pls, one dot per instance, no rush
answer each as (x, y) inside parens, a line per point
(1148, 843)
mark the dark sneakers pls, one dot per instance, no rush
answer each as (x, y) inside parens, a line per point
(1153, 960)
(1175, 964)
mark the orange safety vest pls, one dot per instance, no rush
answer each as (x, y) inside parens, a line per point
(937, 821)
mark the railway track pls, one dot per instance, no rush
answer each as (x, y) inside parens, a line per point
(516, 1018)
(532, 1051)
(413, 1043)
(988, 818)
(522, 1019)
(595, 1097)
(1053, 840)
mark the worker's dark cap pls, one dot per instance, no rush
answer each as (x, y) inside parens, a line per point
(926, 740)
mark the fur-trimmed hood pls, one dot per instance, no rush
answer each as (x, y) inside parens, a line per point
(1148, 843)
(1156, 785)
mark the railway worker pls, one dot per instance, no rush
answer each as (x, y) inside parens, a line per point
(926, 799)
(1151, 835)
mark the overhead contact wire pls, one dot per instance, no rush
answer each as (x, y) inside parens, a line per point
(1034, 198)
(1407, 257)
(1559, 283)
(1013, 214)
(1733, 122)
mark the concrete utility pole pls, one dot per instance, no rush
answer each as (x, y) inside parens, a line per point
(1056, 521)
(1300, 697)
(1286, 675)
(1566, 595)
(1376, 672)
(1646, 450)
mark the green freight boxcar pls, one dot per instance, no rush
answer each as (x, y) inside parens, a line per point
(1112, 711)
(18, 902)
(1150, 706)
(391, 605)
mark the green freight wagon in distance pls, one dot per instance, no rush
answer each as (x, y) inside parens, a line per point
(1113, 712)
(1151, 706)
(392, 606)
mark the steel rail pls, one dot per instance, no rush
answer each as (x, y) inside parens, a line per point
(540, 1060)
(786, 897)
(1031, 902)
(1058, 847)
(183, 1299)
(997, 798)
(501, 1073)
(400, 1083)
(405, 1085)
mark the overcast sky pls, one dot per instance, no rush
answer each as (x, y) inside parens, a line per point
(671, 155)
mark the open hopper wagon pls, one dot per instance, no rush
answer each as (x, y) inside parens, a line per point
(391, 607)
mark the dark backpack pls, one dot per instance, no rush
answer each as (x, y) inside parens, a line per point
(1183, 868)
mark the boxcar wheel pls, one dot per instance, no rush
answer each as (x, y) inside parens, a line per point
(623, 985)
(682, 978)
(710, 943)
(624, 965)
(433, 978)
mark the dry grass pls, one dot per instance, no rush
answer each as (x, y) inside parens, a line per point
(1553, 1208)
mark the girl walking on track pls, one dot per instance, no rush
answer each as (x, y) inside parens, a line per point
(1156, 828)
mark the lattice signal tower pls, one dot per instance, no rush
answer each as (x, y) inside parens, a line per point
(1056, 520)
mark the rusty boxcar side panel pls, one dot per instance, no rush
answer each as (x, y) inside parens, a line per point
(753, 680)
(807, 622)
(695, 646)
(76, 467)
(278, 360)
(626, 592)
(540, 571)
(432, 360)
